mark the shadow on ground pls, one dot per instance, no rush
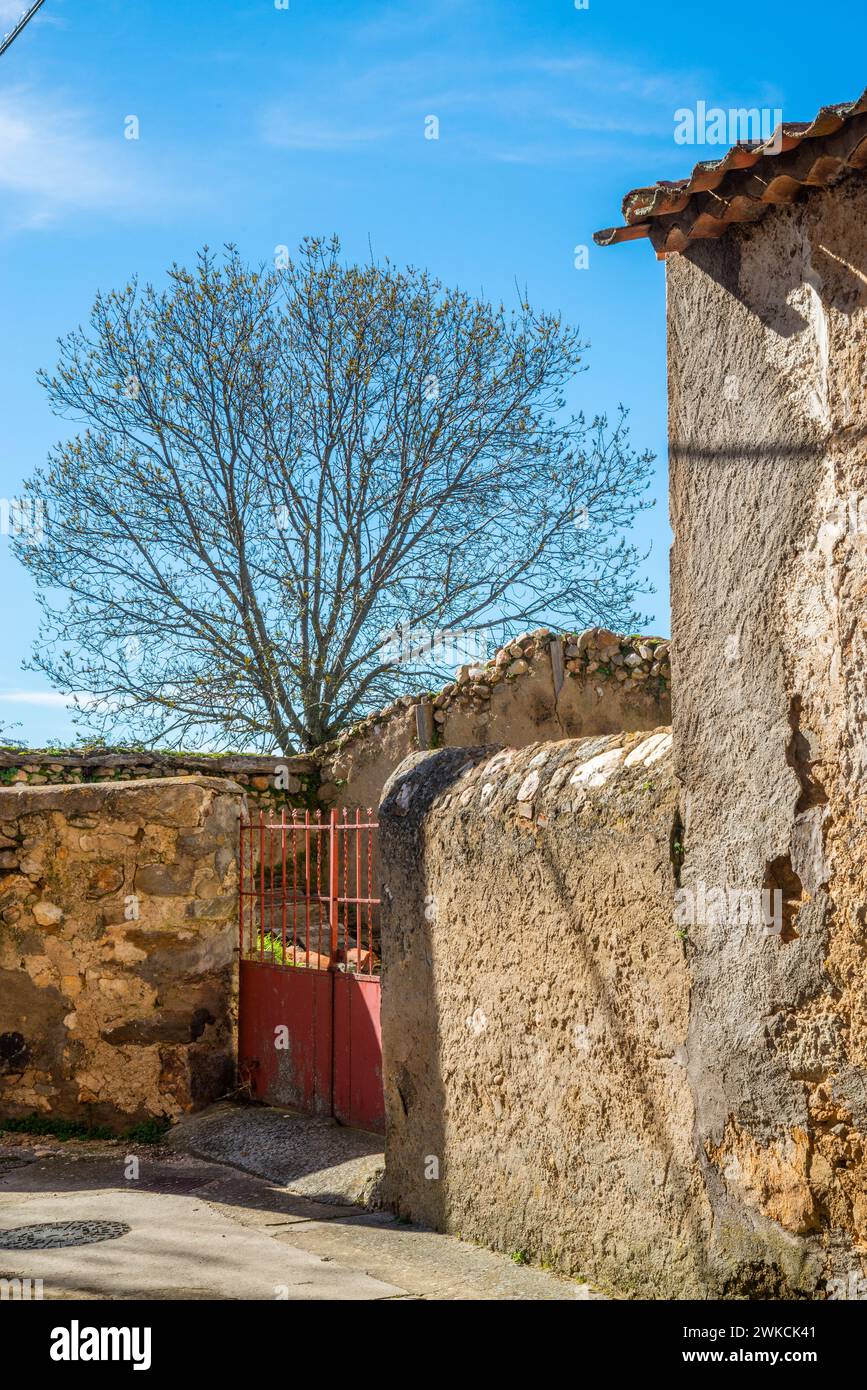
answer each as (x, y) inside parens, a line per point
(248, 1215)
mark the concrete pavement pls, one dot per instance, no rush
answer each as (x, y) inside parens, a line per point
(193, 1228)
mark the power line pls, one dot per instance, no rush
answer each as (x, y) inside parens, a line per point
(25, 19)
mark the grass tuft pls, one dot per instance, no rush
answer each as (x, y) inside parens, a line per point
(148, 1132)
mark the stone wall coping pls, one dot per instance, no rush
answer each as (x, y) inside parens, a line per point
(631, 659)
(530, 782)
(636, 661)
(104, 790)
(120, 758)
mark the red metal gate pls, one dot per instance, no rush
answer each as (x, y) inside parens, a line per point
(308, 1012)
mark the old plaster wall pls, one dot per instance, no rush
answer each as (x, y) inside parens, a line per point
(534, 1008)
(542, 685)
(767, 367)
(118, 922)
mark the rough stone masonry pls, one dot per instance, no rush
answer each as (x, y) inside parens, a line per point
(118, 923)
(118, 872)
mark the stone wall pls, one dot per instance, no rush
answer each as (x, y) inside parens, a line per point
(118, 925)
(542, 685)
(270, 782)
(719, 1145)
(767, 331)
(535, 1005)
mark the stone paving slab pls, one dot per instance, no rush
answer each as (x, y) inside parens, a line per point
(427, 1264)
(311, 1156)
(163, 1170)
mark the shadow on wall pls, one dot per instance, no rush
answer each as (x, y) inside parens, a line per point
(769, 571)
(414, 1091)
(535, 999)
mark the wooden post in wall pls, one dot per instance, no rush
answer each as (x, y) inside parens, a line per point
(424, 723)
(559, 675)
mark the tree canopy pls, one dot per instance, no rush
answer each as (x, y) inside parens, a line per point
(278, 469)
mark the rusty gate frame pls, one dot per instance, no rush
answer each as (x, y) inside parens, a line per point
(329, 1004)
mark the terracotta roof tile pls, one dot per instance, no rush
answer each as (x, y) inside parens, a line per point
(749, 179)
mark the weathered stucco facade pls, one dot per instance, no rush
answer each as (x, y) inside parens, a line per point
(767, 332)
(118, 927)
(742, 1169)
(534, 1008)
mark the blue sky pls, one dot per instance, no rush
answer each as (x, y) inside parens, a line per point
(261, 124)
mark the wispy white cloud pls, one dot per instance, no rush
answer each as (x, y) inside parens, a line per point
(52, 699)
(537, 108)
(55, 699)
(12, 10)
(52, 163)
(616, 80)
(408, 20)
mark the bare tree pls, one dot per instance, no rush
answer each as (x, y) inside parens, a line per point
(280, 468)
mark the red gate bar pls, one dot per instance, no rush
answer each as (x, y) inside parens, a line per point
(357, 1097)
(309, 937)
(285, 917)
